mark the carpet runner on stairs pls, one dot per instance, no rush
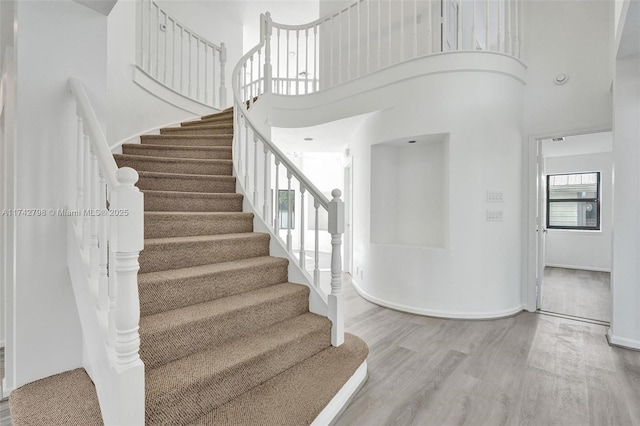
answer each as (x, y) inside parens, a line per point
(225, 338)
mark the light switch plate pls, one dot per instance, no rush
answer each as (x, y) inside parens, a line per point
(494, 215)
(495, 196)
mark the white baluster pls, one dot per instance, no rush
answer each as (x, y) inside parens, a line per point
(306, 61)
(331, 68)
(297, 62)
(157, 41)
(389, 31)
(289, 211)
(430, 37)
(189, 68)
(164, 77)
(244, 85)
(415, 28)
(316, 257)
(103, 283)
(149, 51)
(474, 25)
(181, 60)
(315, 58)
(213, 78)
(278, 90)
(288, 55)
(379, 34)
(251, 82)
(358, 53)
(86, 223)
(507, 23)
(499, 36)
(402, 45)
(459, 36)
(302, 251)
(259, 82)
(487, 44)
(268, 70)
(197, 69)
(94, 253)
(336, 229)
(206, 73)
(276, 219)
(246, 155)
(238, 153)
(349, 43)
(340, 48)
(80, 170)
(173, 54)
(255, 169)
(265, 206)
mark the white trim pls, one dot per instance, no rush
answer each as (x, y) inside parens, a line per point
(622, 342)
(581, 268)
(170, 96)
(340, 401)
(437, 313)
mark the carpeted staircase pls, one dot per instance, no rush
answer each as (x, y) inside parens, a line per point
(225, 338)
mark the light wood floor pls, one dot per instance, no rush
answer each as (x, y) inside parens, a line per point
(584, 294)
(529, 369)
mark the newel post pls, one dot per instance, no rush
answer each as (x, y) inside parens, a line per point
(127, 240)
(223, 88)
(336, 229)
(268, 30)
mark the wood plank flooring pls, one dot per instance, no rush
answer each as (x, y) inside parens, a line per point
(584, 294)
(529, 369)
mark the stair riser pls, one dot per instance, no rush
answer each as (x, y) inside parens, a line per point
(161, 348)
(176, 293)
(226, 130)
(164, 256)
(218, 154)
(184, 406)
(219, 114)
(177, 140)
(193, 226)
(222, 168)
(154, 203)
(186, 185)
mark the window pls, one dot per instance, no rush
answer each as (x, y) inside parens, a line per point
(573, 201)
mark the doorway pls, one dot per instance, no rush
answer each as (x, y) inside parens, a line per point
(574, 209)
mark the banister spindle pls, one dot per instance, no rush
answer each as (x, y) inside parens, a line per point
(173, 53)
(415, 28)
(379, 34)
(302, 250)
(429, 28)
(349, 43)
(335, 299)
(331, 69)
(149, 41)
(289, 212)
(189, 67)
(306, 61)
(276, 218)
(164, 71)
(80, 170)
(251, 82)
(259, 82)
(86, 222)
(206, 73)
(486, 15)
(246, 154)
(474, 25)
(103, 280)
(288, 55)
(316, 80)
(95, 228)
(297, 62)
(268, 69)
(238, 140)
(255, 169)
(358, 53)
(402, 45)
(316, 252)
(340, 16)
(157, 40)
(459, 25)
(213, 79)
(499, 35)
(278, 90)
(265, 197)
(389, 31)
(198, 68)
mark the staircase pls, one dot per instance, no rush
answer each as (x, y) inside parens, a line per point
(225, 338)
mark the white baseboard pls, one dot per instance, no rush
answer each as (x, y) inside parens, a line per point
(623, 342)
(435, 312)
(339, 402)
(582, 268)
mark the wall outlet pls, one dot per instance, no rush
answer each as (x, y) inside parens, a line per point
(494, 215)
(495, 196)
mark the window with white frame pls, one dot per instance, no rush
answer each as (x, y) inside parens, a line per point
(573, 201)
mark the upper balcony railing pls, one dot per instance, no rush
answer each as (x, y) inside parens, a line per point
(370, 35)
(177, 57)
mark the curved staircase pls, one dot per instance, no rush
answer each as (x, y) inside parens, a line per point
(225, 338)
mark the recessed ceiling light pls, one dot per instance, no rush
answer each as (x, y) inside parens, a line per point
(411, 141)
(308, 139)
(561, 79)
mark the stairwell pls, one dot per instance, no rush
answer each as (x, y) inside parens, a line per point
(225, 338)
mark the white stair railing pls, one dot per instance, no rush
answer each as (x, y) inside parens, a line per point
(274, 186)
(177, 57)
(370, 35)
(104, 240)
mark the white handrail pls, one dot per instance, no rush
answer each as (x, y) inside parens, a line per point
(104, 241)
(249, 166)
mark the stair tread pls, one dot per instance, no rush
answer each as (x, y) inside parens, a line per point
(154, 214)
(215, 136)
(178, 147)
(207, 126)
(197, 238)
(175, 194)
(145, 173)
(173, 377)
(163, 321)
(172, 159)
(202, 270)
(293, 397)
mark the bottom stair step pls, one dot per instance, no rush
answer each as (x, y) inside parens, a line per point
(185, 390)
(296, 396)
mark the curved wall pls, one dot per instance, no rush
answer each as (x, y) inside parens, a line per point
(474, 113)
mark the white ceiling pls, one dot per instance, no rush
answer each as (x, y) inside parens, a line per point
(592, 143)
(334, 136)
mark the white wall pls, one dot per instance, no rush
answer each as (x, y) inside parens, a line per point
(577, 249)
(45, 336)
(574, 38)
(625, 277)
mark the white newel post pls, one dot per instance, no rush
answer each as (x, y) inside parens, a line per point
(336, 229)
(127, 239)
(223, 89)
(267, 53)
